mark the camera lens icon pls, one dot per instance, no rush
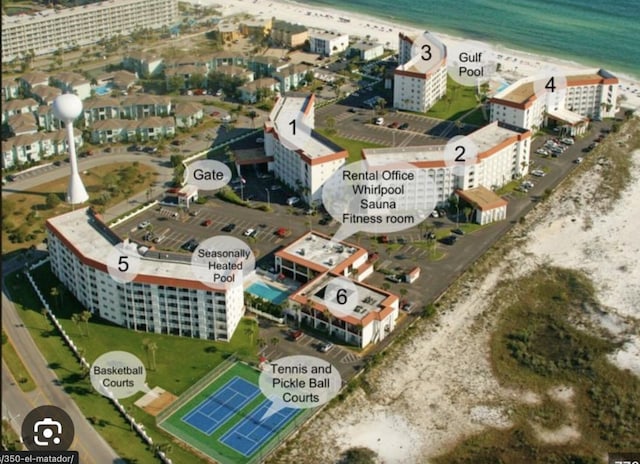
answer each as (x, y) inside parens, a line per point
(47, 428)
(47, 431)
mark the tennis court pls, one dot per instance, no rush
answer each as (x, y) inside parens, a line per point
(251, 432)
(221, 417)
(220, 406)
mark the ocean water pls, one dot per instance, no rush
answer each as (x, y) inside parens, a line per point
(603, 33)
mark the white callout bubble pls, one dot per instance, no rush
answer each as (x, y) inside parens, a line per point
(123, 262)
(550, 86)
(341, 296)
(222, 262)
(427, 53)
(471, 63)
(208, 174)
(118, 374)
(378, 197)
(298, 382)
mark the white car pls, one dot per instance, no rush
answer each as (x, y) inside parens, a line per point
(292, 201)
(538, 173)
(144, 225)
(249, 232)
(434, 214)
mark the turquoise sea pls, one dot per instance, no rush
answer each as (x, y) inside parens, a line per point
(603, 33)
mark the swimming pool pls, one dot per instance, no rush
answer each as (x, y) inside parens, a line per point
(102, 90)
(269, 293)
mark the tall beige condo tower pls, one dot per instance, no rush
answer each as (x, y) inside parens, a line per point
(67, 108)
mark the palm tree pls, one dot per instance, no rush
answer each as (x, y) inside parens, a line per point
(467, 210)
(152, 347)
(249, 331)
(75, 318)
(261, 342)
(55, 294)
(329, 317)
(84, 317)
(275, 341)
(252, 115)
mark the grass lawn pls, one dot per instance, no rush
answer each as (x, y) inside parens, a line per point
(180, 362)
(475, 118)
(354, 147)
(16, 366)
(27, 212)
(458, 101)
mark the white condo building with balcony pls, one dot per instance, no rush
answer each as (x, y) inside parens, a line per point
(315, 259)
(52, 28)
(589, 95)
(503, 155)
(303, 162)
(418, 83)
(164, 297)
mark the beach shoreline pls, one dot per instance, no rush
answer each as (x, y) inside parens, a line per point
(515, 63)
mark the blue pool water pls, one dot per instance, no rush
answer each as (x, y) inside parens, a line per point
(272, 294)
(102, 90)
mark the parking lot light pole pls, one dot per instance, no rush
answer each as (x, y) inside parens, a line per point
(268, 198)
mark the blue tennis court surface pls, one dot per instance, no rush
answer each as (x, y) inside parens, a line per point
(220, 406)
(250, 433)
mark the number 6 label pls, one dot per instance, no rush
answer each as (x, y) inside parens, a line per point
(341, 297)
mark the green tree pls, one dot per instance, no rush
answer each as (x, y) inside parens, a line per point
(75, 318)
(55, 294)
(359, 455)
(249, 332)
(467, 211)
(275, 341)
(52, 200)
(252, 115)
(84, 317)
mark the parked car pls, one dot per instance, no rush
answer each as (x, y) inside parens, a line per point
(292, 201)
(207, 223)
(250, 233)
(407, 306)
(190, 245)
(394, 125)
(324, 347)
(450, 240)
(578, 160)
(458, 231)
(379, 121)
(283, 232)
(538, 173)
(434, 214)
(393, 278)
(144, 225)
(404, 126)
(294, 335)
(229, 228)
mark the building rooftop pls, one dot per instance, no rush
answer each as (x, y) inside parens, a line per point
(89, 237)
(487, 139)
(482, 198)
(522, 90)
(371, 301)
(326, 35)
(286, 109)
(317, 251)
(417, 65)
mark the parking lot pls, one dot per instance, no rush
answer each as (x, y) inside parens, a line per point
(344, 359)
(356, 123)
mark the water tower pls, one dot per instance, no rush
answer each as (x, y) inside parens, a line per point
(67, 108)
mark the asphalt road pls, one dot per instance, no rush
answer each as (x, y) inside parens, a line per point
(16, 404)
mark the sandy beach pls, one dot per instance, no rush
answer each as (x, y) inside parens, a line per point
(515, 64)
